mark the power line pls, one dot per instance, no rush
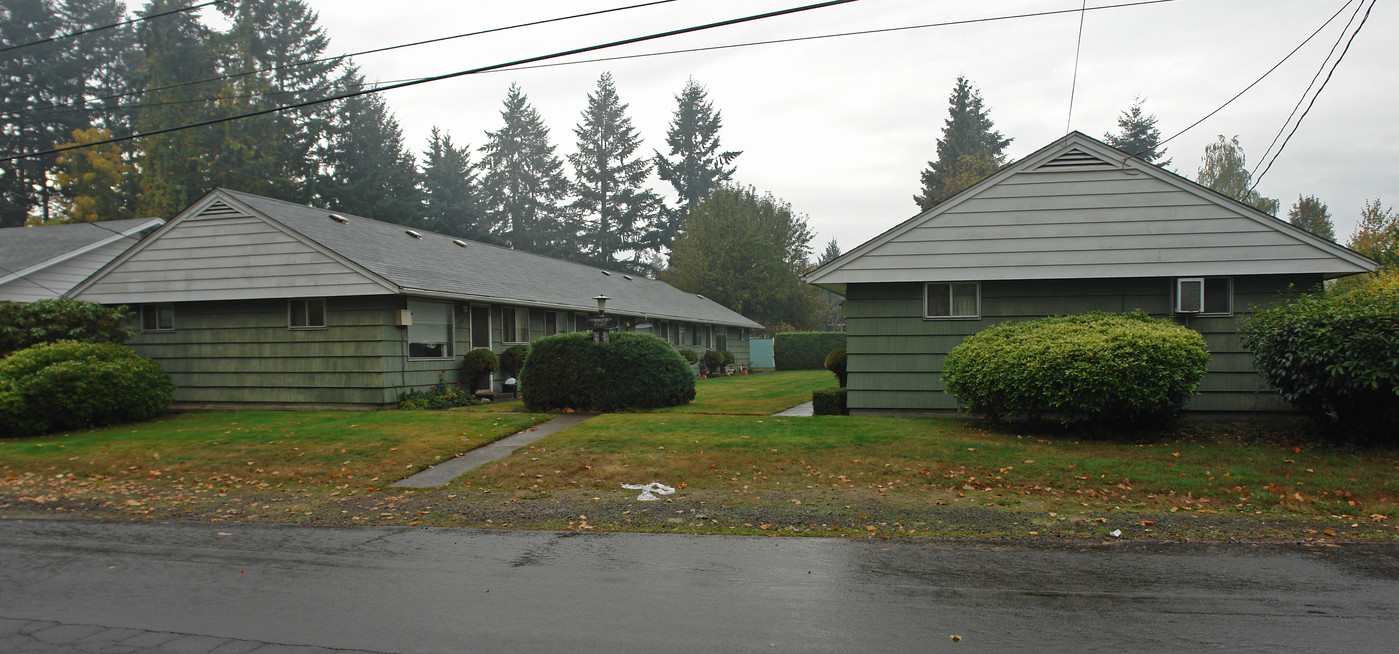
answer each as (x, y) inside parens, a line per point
(90, 30)
(1073, 87)
(437, 78)
(1315, 96)
(1255, 82)
(309, 62)
(510, 68)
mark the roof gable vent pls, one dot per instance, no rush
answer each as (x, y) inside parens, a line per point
(219, 208)
(1073, 160)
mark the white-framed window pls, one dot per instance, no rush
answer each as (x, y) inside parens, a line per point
(551, 322)
(674, 333)
(952, 300)
(158, 317)
(306, 314)
(514, 325)
(1205, 295)
(430, 335)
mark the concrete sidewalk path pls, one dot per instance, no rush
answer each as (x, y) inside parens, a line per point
(800, 411)
(443, 473)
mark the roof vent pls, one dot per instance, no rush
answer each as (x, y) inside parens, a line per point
(626, 277)
(459, 242)
(339, 218)
(605, 273)
(412, 233)
(701, 296)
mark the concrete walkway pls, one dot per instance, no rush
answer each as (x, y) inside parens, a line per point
(443, 473)
(799, 411)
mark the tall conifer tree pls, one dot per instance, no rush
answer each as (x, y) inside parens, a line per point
(450, 190)
(365, 168)
(968, 151)
(617, 210)
(1310, 213)
(698, 164)
(522, 185)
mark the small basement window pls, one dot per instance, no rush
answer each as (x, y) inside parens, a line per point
(1205, 295)
(953, 300)
(306, 314)
(158, 317)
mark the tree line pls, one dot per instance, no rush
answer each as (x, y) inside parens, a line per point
(970, 150)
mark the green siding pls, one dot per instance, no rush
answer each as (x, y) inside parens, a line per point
(896, 356)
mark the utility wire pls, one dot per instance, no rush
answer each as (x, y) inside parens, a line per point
(511, 68)
(1314, 96)
(337, 58)
(1255, 82)
(1073, 86)
(90, 30)
(438, 78)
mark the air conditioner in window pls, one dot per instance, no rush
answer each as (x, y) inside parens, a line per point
(1190, 295)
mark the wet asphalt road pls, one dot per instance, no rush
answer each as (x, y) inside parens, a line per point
(81, 586)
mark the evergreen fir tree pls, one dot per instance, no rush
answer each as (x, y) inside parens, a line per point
(698, 164)
(617, 210)
(1223, 169)
(450, 190)
(89, 180)
(968, 151)
(523, 186)
(1310, 213)
(831, 253)
(1138, 136)
(365, 169)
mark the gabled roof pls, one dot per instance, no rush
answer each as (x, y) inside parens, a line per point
(434, 265)
(1079, 208)
(27, 250)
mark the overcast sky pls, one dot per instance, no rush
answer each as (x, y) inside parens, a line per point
(842, 127)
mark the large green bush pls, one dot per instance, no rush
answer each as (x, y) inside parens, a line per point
(804, 350)
(713, 361)
(1335, 356)
(835, 362)
(23, 324)
(1090, 367)
(73, 385)
(512, 359)
(633, 371)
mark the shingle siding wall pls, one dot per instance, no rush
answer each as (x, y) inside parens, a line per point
(896, 356)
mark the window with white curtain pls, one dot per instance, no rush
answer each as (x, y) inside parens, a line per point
(953, 300)
(430, 335)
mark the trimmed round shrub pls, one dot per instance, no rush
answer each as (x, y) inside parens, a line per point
(477, 365)
(835, 362)
(25, 324)
(1092, 367)
(689, 356)
(1335, 356)
(729, 358)
(512, 359)
(633, 371)
(74, 385)
(713, 360)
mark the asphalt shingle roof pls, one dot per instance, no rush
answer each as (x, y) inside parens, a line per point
(23, 247)
(436, 264)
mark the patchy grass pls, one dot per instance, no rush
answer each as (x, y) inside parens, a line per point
(761, 394)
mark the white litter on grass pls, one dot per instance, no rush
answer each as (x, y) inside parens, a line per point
(650, 491)
(1116, 533)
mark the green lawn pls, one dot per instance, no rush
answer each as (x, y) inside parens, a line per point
(728, 457)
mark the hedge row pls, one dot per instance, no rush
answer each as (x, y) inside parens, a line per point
(829, 402)
(633, 371)
(805, 350)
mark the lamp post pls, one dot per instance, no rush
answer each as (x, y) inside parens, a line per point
(600, 322)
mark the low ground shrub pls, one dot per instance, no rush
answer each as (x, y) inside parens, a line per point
(24, 324)
(713, 361)
(835, 362)
(74, 385)
(1335, 356)
(829, 402)
(689, 356)
(633, 371)
(1092, 367)
(476, 367)
(439, 396)
(804, 350)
